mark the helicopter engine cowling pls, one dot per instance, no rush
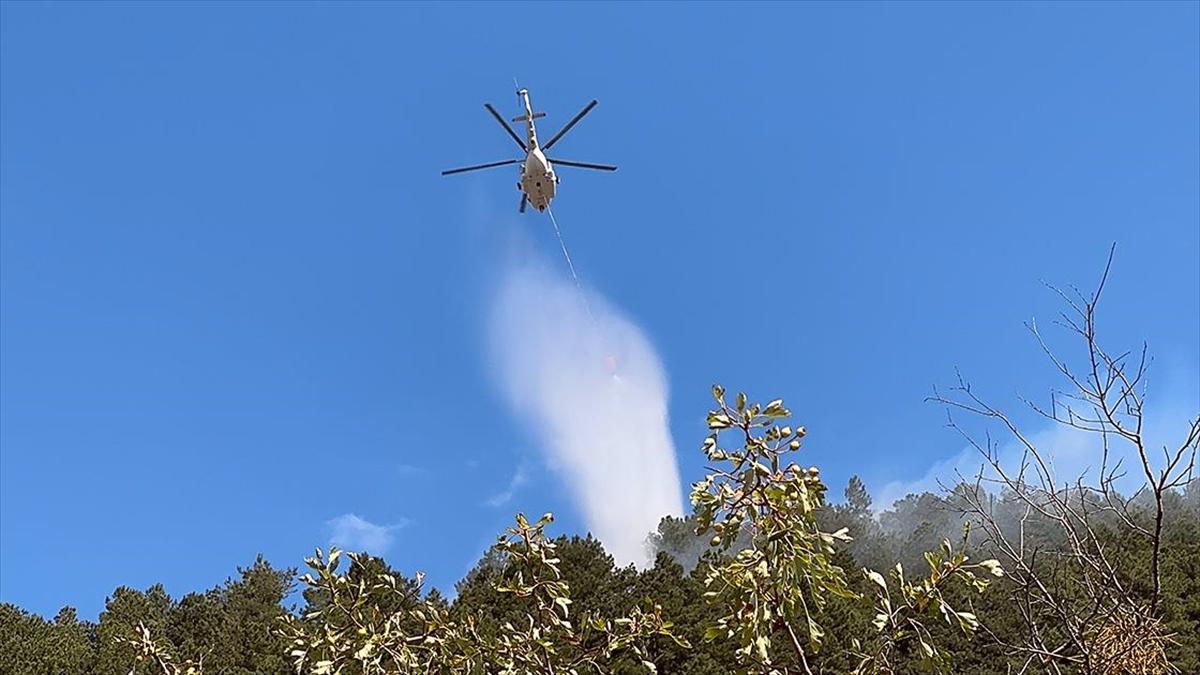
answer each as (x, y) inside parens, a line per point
(538, 180)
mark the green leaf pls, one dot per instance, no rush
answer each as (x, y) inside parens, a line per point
(718, 421)
(775, 409)
(878, 579)
(816, 636)
(993, 567)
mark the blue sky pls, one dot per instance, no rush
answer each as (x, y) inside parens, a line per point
(237, 301)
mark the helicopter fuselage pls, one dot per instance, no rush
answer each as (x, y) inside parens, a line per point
(538, 179)
(537, 175)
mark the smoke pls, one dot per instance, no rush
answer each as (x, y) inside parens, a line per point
(590, 386)
(1070, 453)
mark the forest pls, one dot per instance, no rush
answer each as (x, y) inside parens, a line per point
(1013, 570)
(232, 626)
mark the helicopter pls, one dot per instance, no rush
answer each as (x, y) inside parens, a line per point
(538, 180)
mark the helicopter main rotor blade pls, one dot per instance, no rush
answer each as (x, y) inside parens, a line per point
(583, 165)
(575, 120)
(504, 124)
(447, 172)
(524, 201)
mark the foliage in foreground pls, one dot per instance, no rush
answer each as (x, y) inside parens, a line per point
(350, 633)
(786, 577)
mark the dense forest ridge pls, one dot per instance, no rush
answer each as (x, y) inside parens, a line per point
(232, 623)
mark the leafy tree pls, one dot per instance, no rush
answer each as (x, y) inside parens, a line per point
(365, 569)
(597, 584)
(350, 634)
(786, 578)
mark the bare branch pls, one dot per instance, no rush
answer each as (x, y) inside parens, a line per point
(1105, 398)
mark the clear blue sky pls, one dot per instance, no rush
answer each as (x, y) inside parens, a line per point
(239, 301)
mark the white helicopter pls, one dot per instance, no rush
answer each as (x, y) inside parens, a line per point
(538, 179)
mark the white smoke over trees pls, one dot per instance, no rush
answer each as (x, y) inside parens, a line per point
(1070, 453)
(590, 386)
